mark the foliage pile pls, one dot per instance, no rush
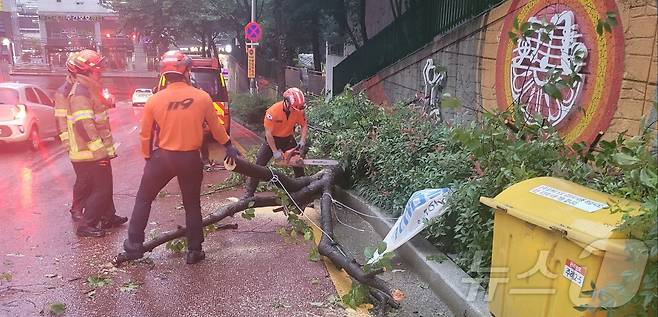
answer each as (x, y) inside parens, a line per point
(389, 154)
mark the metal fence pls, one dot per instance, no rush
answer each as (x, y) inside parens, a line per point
(411, 31)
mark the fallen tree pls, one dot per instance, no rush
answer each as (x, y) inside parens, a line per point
(302, 191)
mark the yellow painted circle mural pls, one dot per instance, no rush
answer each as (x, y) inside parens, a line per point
(523, 68)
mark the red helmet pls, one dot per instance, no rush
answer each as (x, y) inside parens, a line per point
(295, 98)
(84, 62)
(174, 62)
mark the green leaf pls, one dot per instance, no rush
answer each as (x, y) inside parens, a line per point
(251, 204)
(513, 37)
(545, 37)
(308, 234)
(357, 296)
(451, 103)
(314, 254)
(129, 287)
(607, 27)
(648, 178)
(552, 90)
(381, 247)
(95, 281)
(624, 159)
(515, 24)
(249, 213)
(56, 309)
(612, 18)
(599, 28)
(368, 252)
(525, 27)
(176, 245)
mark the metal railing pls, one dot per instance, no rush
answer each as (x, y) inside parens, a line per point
(411, 31)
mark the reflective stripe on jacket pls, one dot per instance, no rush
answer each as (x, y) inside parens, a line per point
(87, 123)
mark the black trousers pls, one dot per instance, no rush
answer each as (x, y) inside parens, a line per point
(82, 190)
(93, 190)
(265, 154)
(158, 171)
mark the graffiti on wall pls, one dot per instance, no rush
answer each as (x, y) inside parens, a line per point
(522, 69)
(435, 79)
(532, 61)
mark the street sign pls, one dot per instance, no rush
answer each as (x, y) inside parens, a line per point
(251, 62)
(253, 32)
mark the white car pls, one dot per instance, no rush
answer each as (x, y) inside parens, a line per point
(27, 115)
(140, 96)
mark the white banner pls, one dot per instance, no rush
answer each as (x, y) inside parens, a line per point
(422, 207)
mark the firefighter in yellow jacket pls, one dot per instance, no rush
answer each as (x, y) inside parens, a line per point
(89, 139)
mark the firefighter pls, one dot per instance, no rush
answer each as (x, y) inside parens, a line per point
(280, 122)
(171, 135)
(61, 113)
(90, 144)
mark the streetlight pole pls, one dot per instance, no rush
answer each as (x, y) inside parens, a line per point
(252, 81)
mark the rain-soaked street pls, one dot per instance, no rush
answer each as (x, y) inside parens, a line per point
(250, 271)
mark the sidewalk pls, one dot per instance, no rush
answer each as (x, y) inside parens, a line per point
(355, 234)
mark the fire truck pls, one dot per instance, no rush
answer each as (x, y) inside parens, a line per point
(206, 74)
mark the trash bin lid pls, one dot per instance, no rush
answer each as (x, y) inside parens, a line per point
(579, 213)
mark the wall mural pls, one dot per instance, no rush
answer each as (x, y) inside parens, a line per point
(435, 80)
(522, 68)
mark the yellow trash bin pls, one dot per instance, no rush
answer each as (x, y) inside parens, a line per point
(553, 242)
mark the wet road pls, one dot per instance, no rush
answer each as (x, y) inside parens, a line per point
(251, 271)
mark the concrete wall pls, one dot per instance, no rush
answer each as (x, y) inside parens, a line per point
(619, 74)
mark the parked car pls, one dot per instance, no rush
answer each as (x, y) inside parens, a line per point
(27, 115)
(140, 96)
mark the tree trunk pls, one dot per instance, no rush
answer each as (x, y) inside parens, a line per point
(203, 45)
(213, 48)
(315, 42)
(303, 191)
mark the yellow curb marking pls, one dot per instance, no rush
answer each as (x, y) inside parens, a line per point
(340, 278)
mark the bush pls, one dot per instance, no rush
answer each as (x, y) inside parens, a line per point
(390, 153)
(250, 110)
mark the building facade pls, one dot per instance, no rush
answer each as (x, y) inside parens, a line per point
(51, 29)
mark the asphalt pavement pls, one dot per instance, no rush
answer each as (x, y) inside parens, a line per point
(249, 271)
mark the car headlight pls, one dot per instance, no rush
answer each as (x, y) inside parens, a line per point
(21, 112)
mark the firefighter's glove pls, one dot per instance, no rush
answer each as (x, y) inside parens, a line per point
(278, 155)
(231, 153)
(302, 148)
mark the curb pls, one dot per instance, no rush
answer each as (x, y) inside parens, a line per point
(446, 279)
